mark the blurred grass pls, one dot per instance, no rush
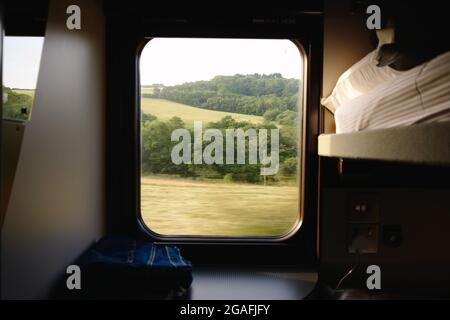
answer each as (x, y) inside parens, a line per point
(172, 206)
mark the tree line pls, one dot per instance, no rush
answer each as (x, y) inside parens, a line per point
(246, 94)
(157, 146)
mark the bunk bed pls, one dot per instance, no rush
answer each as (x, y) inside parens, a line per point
(390, 115)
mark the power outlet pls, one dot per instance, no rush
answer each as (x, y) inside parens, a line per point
(362, 238)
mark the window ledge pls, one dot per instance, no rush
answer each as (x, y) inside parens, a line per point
(427, 144)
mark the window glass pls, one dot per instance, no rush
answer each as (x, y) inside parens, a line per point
(220, 137)
(21, 60)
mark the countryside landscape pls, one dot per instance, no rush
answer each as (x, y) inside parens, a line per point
(211, 200)
(219, 200)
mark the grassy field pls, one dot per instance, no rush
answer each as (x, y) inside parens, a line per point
(164, 109)
(186, 207)
(29, 92)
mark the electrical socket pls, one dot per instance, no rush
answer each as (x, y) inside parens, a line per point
(362, 238)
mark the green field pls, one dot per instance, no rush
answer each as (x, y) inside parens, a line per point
(164, 110)
(29, 92)
(188, 207)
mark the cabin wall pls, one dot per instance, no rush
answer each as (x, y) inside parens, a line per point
(12, 135)
(56, 208)
(346, 41)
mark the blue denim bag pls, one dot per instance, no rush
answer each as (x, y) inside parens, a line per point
(124, 268)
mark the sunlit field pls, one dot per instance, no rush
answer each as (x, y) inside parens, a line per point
(164, 110)
(175, 206)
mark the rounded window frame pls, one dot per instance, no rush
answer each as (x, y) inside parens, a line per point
(303, 92)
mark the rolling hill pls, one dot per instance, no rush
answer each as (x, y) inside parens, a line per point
(165, 109)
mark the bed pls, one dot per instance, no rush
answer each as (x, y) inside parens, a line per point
(419, 95)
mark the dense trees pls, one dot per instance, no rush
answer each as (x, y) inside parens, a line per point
(271, 96)
(246, 94)
(157, 146)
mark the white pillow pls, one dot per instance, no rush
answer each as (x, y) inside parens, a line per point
(361, 78)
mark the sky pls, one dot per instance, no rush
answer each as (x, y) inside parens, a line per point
(172, 61)
(21, 59)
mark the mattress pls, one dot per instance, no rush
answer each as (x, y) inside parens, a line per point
(419, 95)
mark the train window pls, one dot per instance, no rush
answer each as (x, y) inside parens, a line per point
(221, 143)
(21, 60)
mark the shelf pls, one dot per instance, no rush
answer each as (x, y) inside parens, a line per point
(427, 144)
